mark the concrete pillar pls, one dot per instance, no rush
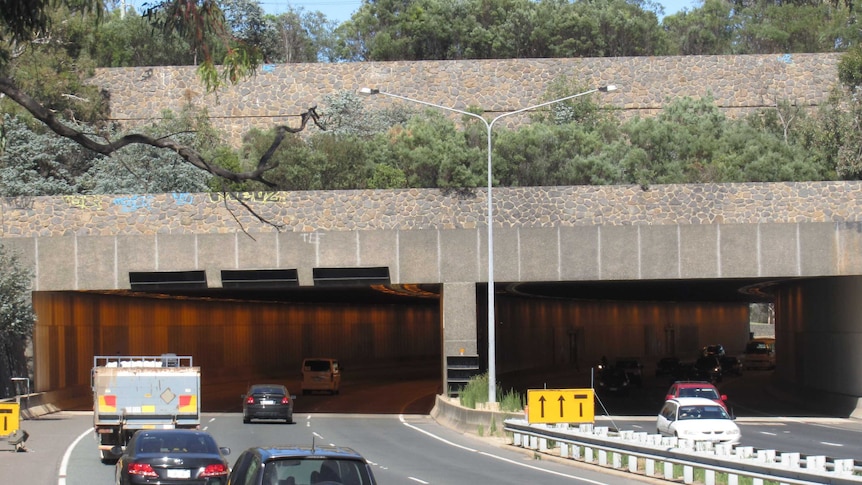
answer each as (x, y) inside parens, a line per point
(458, 308)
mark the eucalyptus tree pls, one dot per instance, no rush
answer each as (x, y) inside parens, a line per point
(32, 26)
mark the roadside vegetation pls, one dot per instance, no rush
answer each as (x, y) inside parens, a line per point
(476, 391)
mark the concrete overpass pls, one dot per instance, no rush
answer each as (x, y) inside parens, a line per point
(401, 273)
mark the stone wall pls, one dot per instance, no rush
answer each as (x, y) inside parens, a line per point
(420, 209)
(280, 92)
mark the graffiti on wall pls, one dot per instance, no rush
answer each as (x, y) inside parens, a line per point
(88, 202)
(246, 196)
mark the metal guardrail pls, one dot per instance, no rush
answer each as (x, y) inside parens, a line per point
(657, 456)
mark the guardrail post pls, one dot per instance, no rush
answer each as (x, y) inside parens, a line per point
(815, 462)
(790, 460)
(564, 450)
(576, 452)
(633, 463)
(744, 451)
(543, 444)
(588, 454)
(756, 481)
(844, 467)
(649, 467)
(733, 479)
(603, 457)
(687, 474)
(668, 470)
(709, 477)
(516, 439)
(766, 456)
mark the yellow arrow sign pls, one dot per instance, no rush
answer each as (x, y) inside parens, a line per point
(560, 406)
(9, 416)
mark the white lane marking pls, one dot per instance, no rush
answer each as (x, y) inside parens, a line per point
(64, 463)
(489, 455)
(417, 480)
(831, 444)
(768, 433)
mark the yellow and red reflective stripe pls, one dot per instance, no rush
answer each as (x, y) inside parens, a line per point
(188, 403)
(107, 403)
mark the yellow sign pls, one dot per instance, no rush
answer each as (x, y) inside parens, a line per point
(9, 416)
(560, 406)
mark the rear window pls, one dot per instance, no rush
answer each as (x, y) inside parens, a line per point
(756, 348)
(317, 365)
(705, 392)
(315, 470)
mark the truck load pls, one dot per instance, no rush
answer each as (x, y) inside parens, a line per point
(142, 392)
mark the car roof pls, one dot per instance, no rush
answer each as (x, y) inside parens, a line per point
(695, 401)
(267, 386)
(268, 453)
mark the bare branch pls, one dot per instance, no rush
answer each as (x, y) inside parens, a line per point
(190, 155)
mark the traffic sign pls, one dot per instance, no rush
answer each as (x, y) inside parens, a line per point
(560, 406)
(9, 416)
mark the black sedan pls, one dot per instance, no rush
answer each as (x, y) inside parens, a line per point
(172, 457)
(267, 401)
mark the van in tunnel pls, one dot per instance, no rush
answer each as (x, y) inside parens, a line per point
(321, 374)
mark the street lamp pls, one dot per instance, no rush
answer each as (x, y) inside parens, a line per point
(492, 357)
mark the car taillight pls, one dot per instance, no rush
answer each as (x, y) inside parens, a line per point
(217, 470)
(142, 469)
(249, 400)
(285, 400)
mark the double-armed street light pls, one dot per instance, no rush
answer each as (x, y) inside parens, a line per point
(492, 369)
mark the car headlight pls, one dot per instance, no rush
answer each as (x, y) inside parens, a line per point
(688, 432)
(733, 431)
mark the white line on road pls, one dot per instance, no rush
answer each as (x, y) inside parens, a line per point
(768, 433)
(64, 464)
(417, 480)
(830, 444)
(489, 455)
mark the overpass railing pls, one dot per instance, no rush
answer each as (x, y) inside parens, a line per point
(670, 458)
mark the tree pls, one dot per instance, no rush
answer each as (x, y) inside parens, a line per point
(29, 25)
(17, 319)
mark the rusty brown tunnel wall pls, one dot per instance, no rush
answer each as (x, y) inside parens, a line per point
(228, 339)
(546, 332)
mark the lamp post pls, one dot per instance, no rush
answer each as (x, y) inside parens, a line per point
(492, 357)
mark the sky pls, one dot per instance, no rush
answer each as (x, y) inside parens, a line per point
(341, 10)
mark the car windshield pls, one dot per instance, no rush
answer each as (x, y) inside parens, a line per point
(308, 471)
(705, 392)
(267, 390)
(702, 412)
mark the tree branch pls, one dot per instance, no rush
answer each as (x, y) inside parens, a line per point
(190, 155)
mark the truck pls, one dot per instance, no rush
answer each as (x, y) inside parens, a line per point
(131, 393)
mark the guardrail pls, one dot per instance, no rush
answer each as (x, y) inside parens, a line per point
(670, 458)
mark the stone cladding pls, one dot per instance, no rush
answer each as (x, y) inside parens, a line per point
(278, 93)
(431, 209)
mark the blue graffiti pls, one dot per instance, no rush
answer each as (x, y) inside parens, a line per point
(183, 198)
(134, 202)
(267, 68)
(786, 58)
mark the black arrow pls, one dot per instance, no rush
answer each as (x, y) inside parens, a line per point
(542, 400)
(562, 400)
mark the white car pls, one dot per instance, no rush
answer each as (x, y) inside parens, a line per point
(697, 419)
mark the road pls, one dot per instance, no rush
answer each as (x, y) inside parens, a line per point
(403, 449)
(390, 426)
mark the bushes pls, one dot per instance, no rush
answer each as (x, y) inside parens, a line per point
(476, 391)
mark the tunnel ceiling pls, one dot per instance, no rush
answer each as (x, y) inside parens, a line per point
(719, 290)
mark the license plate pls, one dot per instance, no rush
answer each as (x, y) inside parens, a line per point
(267, 401)
(179, 473)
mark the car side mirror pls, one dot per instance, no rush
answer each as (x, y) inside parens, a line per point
(116, 450)
(724, 397)
(224, 450)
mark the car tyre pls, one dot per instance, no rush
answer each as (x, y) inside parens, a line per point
(246, 420)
